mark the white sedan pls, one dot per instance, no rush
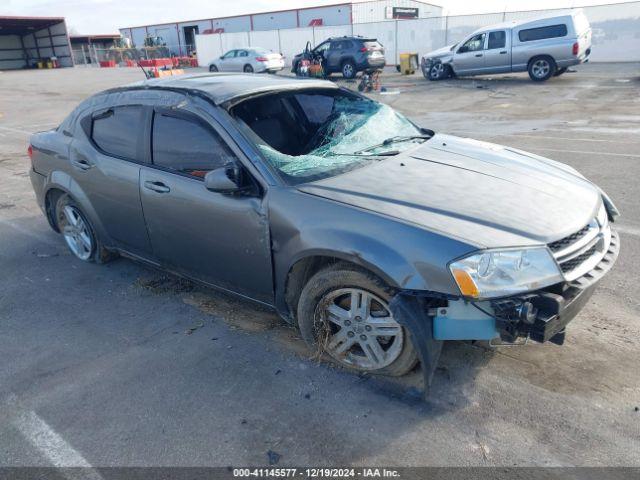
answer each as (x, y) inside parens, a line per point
(248, 60)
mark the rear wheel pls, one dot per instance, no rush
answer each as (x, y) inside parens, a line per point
(344, 312)
(247, 69)
(541, 68)
(213, 68)
(349, 69)
(78, 232)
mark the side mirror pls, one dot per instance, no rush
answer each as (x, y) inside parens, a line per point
(225, 179)
(462, 50)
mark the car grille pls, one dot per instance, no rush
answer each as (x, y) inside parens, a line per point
(575, 262)
(581, 251)
(566, 241)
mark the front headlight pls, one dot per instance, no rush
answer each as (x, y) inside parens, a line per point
(498, 273)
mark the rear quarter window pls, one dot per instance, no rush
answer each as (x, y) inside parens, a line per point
(540, 33)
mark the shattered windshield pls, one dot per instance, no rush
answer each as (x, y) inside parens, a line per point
(319, 134)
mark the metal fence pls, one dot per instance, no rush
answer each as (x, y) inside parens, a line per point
(93, 56)
(616, 34)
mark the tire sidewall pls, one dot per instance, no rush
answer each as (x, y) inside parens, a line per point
(213, 68)
(550, 73)
(66, 200)
(247, 69)
(344, 275)
(353, 69)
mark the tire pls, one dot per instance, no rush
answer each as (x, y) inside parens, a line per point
(541, 68)
(348, 69)
(358, 348)
(560, 71)
(247, 69)
(438, 71)
(78, 232)
(213, 68)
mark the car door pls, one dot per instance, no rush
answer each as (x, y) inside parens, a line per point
(497, 56)
(227, 61)
(217, 238)
(469, 56)
(106, 164)
(333, 55)
(322, 50)
(242, 59)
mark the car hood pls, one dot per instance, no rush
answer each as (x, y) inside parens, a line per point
(441, 52)
(484, 194)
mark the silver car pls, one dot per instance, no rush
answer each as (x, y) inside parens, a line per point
(544, 47)
(248, 60)
(378, 238)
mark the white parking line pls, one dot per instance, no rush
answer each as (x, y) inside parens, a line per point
(628, 230)
(543, 137)
(583, 152)
(50, 444)
(16, 130)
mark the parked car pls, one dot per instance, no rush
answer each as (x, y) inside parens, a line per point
(346, 55)
(544, 47)
(248, 60)
(331, 208)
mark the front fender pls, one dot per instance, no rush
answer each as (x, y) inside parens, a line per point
(404, 255)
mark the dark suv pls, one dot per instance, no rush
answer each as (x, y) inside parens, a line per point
(348, 55)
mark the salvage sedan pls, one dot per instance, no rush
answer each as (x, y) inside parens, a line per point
(378, 238)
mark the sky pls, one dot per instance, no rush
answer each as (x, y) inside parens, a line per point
(106, 16)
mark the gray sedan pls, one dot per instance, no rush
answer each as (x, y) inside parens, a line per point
(248, 60)
(378, 238)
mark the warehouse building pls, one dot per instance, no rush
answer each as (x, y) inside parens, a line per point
(27, 42)
(180, 36)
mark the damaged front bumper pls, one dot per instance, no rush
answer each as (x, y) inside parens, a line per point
(541, 316)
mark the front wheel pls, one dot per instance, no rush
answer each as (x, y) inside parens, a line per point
(541, 68)
(438, 71)
(213, 68)
(344, 312)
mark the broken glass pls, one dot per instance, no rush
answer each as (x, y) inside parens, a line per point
(355, 124)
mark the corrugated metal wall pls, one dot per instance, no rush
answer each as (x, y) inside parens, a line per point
(44, 43)
(375, 11)
(616, 34)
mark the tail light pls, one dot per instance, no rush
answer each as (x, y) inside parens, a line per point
(261, 59)
(576, 47)
(30, 152)
(364, 49)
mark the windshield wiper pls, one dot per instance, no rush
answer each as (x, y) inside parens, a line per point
(396, 139)
(388, 153)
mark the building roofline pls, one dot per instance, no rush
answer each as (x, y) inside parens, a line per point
(267, 12)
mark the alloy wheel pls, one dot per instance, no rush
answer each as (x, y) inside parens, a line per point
(437, 71)
(347, 70)
(76, 232)
(358, 329)
(541, 68)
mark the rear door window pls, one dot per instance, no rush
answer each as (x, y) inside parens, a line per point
(187, 146)
(540, 33)
(497, 39)
(117, 131)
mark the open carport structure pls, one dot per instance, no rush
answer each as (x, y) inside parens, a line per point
(25, 41)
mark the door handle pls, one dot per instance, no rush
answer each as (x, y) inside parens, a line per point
(478, 54)
(157, 187)
(503, 52)
(81, 163)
